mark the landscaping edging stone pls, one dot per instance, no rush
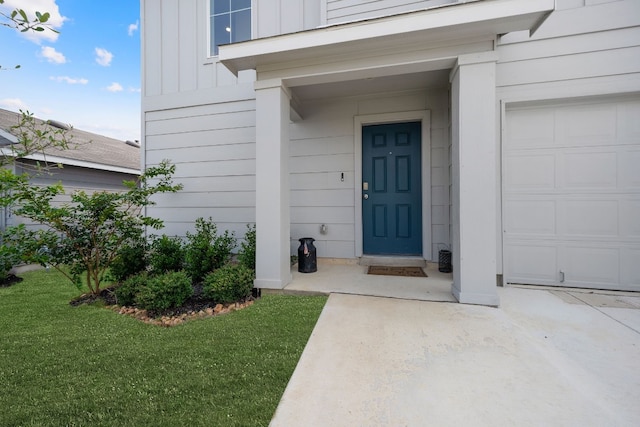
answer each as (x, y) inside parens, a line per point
(168, 321)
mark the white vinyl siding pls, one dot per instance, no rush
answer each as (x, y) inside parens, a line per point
(213, 148)
(322, 149)
(349, 10)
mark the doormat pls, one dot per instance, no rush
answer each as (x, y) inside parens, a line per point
(397, 271)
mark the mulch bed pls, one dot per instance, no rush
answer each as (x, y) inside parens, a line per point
(196, 307)
(397, 271)
(10, 280)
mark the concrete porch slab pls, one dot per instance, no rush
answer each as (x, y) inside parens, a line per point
(537, 360)
(351, 278)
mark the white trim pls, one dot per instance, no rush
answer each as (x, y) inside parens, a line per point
(499, 197)
(324, 13)
(479, 18)
(424, 117)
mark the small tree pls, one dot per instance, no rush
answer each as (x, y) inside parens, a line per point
(86, 235)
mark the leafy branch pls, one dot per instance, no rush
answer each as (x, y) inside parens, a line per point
(19, 20)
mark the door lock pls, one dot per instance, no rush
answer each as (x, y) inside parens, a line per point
(366, 196)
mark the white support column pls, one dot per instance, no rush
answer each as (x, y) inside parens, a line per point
(273, 269)
(473, 111)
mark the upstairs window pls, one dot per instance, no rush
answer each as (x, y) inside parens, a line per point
(230, 22)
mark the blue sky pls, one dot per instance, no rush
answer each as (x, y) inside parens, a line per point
(88, 75)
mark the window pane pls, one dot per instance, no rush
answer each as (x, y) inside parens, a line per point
(240, 4)
(220, 6)
(220, 30)
(241, 26)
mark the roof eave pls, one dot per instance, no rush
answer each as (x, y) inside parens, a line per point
(489, 17)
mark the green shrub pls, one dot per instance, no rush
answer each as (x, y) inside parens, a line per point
(127, 291)
(206, 250)
(167, 254)
(229, 283)
(165, 291)
(131, 260)
(247, 254)
(10, 255)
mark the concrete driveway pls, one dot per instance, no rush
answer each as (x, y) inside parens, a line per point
(544, 358)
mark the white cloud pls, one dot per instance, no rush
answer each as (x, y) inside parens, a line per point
(55, 21)
(70, 80)
(13, 104)
(115, 87)
(52, 55)
(103, 57)
(133, 28)
(135, 90)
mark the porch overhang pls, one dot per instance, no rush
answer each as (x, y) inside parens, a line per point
(477, 20)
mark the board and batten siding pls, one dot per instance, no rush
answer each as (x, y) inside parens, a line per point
(338, 11)
(175, 37)
(585, 48)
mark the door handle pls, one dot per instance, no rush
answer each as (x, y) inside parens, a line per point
(366, 196)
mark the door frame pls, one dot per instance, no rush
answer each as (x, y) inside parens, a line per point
(422, 116)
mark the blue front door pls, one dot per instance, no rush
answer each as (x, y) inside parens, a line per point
(391, 189)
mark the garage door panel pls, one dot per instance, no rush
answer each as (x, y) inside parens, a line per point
(586, 125)
(531, 129)
(571, 211)
(591, 265)
(630, 268)
(590, 170)
(531, 172)
(589, 218)
(630, 169)
(528, 217)
(532, 263)
(628, 131)
(630, 220)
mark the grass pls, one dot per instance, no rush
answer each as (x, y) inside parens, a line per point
(82, 366)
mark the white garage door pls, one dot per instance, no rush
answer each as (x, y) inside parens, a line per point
(571, 194)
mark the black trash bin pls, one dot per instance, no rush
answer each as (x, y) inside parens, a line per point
(307, 259)
(444, 261)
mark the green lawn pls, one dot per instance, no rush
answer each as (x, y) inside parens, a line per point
(82, 366)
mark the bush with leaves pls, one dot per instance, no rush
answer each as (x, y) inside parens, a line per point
(206, 250)
(127, 291)
(130, 260)
(86, 235)
(247, 254)
(167, 254)
(230, 283)
(10, 250)
(164, 291)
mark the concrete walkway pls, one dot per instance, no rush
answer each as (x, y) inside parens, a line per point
(544, 358)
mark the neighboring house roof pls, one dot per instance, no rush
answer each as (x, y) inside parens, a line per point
(86, 149)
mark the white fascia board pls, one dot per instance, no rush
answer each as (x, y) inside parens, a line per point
(81, 164)
(497, 16)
